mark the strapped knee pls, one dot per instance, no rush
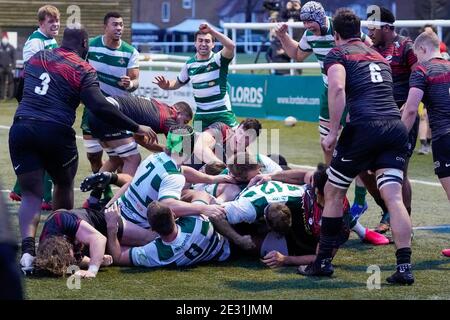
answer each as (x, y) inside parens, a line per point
(388, 177)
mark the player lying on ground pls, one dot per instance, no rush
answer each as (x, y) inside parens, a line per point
(121, 146)
(182, 241)
(78, 237)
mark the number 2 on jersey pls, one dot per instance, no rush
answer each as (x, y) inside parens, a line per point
(45, 81)
(375, 73)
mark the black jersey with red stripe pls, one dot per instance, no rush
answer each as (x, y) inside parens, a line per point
(369, 85)
(53, 81)
(67, 222)
(148, 111)
(401, 57)
(433, 78)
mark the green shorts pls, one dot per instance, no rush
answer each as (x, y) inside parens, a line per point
(227, 117)
(85, 123)
(324, 114)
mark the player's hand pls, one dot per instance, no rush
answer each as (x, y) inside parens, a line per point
(162, 82)
(107, 260)
(329, 142)
(85, 274)
(214, 211)
(125, 81)
(246, 243)
(259, 179)
(274, 259)
(112, 216)
(281, 30)
(224, 178)
(147, 131)
(205, 28)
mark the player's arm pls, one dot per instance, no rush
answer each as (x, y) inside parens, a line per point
(275, 259)
(204, 147)
(120, 257)
(293, 176)
(297, 51)
(412, 105)
(96, 242)
(165, 84)
(336, 97)
(418, 84)
(170, 194)
(195, 176)
(228, 44)
(145, 143)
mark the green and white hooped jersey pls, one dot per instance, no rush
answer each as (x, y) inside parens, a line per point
(209, 82)
(196, 241)
(156, 178)
(111, 64)
(251, 204)
(36, 42)
(319, 45)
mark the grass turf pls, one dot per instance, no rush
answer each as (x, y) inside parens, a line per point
(248, 278)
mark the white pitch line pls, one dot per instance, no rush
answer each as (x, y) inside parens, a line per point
(427, 183)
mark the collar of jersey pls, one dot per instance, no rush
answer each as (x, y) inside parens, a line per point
(114, 49)
(48, 38)
(177, 239)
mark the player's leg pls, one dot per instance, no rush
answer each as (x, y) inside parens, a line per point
(128, 152)
(47, 199)
(135, 236)
(63, 178)
(389, 183)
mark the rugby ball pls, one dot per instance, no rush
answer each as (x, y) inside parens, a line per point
(290, 121)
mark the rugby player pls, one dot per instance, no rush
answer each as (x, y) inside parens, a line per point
(375, 139)
(208, 73)
(41, 137)
(430, 83)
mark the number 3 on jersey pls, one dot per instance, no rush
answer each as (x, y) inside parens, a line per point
(45, 81)
(375, 73)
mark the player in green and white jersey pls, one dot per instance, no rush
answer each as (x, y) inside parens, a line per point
(116, 63)
(42, 38)
(208, 73)
(319, 39)
(182, 242)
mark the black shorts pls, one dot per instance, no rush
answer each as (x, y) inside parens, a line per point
(413, 133)
(441, 156)
(368, 146)
(105, 132)
(35, 144)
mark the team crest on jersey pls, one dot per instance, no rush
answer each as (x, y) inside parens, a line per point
(122, 61)
(389, 58)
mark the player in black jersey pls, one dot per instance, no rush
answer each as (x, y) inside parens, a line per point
(375, 139)
(430, 83)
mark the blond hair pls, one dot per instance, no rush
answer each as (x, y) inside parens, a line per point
(48, 10)
(427, 39)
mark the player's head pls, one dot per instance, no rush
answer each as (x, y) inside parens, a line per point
(426, 46)
(76, 38)
(246, 133)
(113, 25)
(314, 18)
(278, 217)
(214, 168)
(180, 143)
(48, 17)
(204, 43)
(54, 255)
(243, 167)
(347, 25)
(381, 25)
(184, 112)
(161, 218)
